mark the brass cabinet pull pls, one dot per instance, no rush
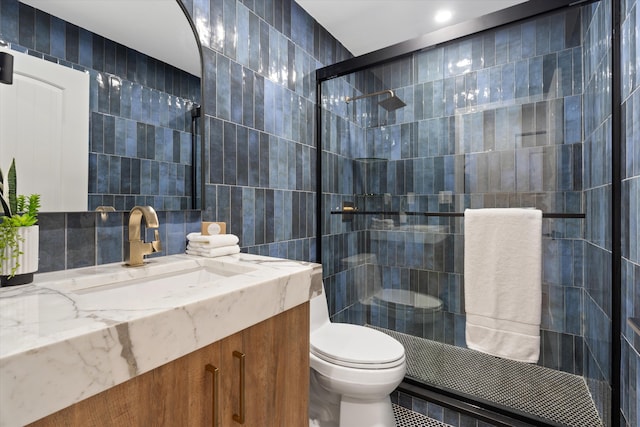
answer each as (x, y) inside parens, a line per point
(239, 418)
(215, 416)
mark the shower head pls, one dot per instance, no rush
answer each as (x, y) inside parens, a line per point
(392, 103)
(389, 104)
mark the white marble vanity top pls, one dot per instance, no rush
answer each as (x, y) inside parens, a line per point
(74, 333)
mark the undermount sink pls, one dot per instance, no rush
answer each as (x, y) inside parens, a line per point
(154, 276)
(192, 277)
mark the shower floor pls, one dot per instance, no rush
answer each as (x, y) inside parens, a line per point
(407, 418)
(552, 396)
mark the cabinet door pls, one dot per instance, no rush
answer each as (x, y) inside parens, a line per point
(183, 390)
(176, 394)
(277, 370)
(274, 356)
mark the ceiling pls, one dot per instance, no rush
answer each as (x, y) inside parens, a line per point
(364, 26)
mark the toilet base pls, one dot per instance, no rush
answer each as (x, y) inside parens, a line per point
(377, 413)
(330, 409)
(324, 406)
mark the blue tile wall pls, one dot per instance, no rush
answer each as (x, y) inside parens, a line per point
(139, 110)
(496, 123)
(630, 221)
(82, 239)
(259, 105)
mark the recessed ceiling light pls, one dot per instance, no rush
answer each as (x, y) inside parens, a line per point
(443, 15)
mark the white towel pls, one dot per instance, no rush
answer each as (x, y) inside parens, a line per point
(214, 241)
(214, 252)
(502, 282)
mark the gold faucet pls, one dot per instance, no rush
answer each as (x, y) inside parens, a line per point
(137, 247)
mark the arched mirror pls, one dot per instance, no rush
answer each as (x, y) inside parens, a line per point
(139, 130)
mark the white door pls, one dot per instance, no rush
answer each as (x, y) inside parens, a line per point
(44, 125)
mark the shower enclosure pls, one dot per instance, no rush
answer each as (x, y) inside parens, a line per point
(514, 116)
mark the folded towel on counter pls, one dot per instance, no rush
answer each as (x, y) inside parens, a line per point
(214, 252)
(503, 282)
(214, 241)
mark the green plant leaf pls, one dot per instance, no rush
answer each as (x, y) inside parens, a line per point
(5, 205)
(33, 205)
(3, 196)
(9, 244)
(19, 211)
(12, 182)
(20, 203)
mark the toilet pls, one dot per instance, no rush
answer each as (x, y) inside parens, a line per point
(353, 371)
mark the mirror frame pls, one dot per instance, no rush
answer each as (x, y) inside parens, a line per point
(201, 115)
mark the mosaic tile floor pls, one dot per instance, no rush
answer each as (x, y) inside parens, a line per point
(407, 418)
(545, 393)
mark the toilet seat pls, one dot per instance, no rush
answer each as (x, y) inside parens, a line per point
(356, 347)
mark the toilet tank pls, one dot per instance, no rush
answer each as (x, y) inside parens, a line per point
(319, 311)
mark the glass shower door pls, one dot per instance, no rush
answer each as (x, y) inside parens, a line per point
(493, 120)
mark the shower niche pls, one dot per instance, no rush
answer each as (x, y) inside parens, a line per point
(370, 184)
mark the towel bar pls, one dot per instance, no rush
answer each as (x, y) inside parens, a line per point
(556, 215)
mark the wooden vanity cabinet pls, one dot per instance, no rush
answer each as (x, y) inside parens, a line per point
(275, 354)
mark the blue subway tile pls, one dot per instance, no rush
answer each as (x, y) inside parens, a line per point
(573, 119)
(26, 28)
(9, 21)
(515, 43)
(42, 32)
(242, 156)
(52, 232)
(229, 153)
(521, 79)
(542, 36)
(501, 46)
(535, 76)
(508, 82)
(556, 32)
(81, 240)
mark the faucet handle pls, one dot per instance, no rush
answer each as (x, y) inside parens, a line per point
(156, 244)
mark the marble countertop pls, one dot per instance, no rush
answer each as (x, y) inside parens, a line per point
(72, 334)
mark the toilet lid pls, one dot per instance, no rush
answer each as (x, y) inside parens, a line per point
(356, 346)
